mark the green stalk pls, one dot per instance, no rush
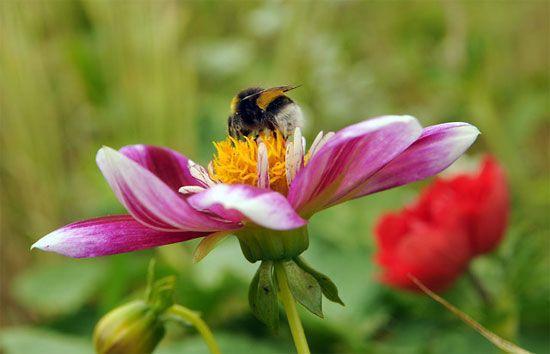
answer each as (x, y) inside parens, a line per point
(479, 288)
(192, 317)
(289, 305)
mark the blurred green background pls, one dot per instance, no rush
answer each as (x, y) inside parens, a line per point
(76, 75)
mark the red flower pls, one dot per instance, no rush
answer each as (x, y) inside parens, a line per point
(453, 221)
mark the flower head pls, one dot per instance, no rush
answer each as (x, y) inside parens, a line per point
(242, 162)
(261, 190)
(453, 221)
(268, 183)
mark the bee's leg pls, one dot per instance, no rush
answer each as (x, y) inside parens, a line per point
(231, 127)
(236, 128)
(273, 126)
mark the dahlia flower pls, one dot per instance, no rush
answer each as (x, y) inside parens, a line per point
(263, 190)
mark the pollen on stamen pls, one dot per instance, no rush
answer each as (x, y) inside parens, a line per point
(235, 161)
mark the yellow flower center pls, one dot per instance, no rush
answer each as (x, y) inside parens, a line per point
(236, 161)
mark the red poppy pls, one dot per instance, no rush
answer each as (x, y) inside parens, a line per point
(453, 221)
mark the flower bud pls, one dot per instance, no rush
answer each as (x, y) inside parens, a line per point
(131, 328)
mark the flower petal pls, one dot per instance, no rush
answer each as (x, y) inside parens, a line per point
(437, 148)
(241, 202)
(190, 189)
(294, 156)
(151, 201)
(351, 156)
(108, 235)
(168, 165)
(491, 218)
(435, 254)
(207, 244)
(262, 166)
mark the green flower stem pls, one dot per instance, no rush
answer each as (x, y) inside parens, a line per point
(479, 288)
(192, 317)
(289, 305)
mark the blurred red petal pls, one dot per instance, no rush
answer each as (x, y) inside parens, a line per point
(453, 221)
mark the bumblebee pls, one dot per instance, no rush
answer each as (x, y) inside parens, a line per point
(256, 110)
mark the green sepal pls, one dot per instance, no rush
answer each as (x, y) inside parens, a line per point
(328, 287)
(262, 296)
(304, 287)
(261, 244)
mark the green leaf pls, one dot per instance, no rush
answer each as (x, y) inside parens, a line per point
(23, 340)
(304, 287)
(328, 287)
(60, 288)
(262, 296)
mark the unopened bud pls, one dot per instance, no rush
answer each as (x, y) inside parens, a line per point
(133, 328)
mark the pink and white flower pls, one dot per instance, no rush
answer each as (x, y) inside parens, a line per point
(171, 199)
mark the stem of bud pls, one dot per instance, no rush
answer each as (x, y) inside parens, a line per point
(479, 288)
(186, 315)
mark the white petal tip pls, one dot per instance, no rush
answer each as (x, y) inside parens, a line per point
(103, 153)
(103, 150)
(470, 130)
(52, 242)
(475, 130)
(406, 117)
(41, 244)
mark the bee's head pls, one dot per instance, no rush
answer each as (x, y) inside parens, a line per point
(249, 108)
(244, 104)
(256, 99)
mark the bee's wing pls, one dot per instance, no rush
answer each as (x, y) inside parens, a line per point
(287, 88)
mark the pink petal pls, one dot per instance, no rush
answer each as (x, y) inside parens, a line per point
(241, 202)
(108, 235)
(151, 201)
(350, 157)
(168, 165)
(436, 149)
